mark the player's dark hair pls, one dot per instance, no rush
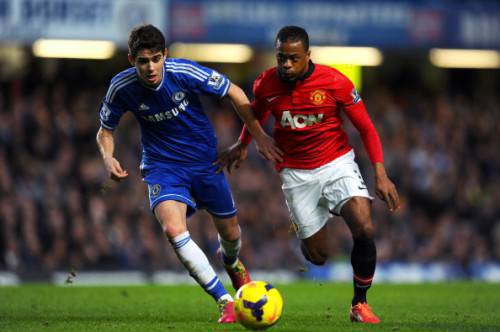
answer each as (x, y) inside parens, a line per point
(292, 33)
(145, 37)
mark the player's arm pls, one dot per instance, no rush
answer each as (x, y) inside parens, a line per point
(105, 142)
(209, 81)
(237, 153)
(264, 143)
(357, 114)
(260, 111)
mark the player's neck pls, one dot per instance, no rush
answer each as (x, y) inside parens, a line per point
(307, 72)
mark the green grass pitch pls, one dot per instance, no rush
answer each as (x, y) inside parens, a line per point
(309, 306)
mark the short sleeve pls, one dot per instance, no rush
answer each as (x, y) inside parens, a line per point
(110, 113)
(200, 79)
(347, 94)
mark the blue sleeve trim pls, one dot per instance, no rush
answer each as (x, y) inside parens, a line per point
(224, 93)
(106, 126)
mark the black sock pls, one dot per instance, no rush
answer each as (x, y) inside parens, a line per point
(363, 260)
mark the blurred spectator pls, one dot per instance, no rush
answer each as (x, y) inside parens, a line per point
(59, 211)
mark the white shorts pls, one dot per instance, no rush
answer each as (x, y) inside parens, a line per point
(313, 195)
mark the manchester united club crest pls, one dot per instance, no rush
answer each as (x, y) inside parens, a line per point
(318, 97)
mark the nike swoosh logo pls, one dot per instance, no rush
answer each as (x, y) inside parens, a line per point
(270, 99)
(361, 188)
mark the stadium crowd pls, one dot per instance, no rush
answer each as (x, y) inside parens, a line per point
(58, 210)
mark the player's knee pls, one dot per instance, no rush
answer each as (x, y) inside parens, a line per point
(317, 257)
(305, 252)
(172, 231)
(228, 229)
(365, 232)
(230, 233)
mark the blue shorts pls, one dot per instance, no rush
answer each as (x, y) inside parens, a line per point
(198, 188)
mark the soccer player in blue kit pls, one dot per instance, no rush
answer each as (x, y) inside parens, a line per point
(179, 151)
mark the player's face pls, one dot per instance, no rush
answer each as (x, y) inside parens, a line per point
(293, 60)
(149, 65)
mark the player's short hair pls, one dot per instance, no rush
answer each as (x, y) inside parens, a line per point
(145, 37)
(292, 33)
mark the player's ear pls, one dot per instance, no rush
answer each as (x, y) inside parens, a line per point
(131, 59)
(165, 52)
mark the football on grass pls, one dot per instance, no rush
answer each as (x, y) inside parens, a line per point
(258, 305)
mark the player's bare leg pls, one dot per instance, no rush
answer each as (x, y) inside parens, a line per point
(357, 214)
(172, 217)
(230, 244)
(315, 247)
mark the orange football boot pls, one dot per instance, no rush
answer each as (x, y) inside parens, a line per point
(362, 313)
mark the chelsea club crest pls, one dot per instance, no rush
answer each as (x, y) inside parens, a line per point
(178, 96)
(154, 190)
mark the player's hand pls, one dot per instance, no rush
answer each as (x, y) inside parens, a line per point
(116, 172)
(267, 148)
(232, 157)
(386, 191)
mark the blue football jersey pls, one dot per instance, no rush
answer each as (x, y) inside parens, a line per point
(174, 126)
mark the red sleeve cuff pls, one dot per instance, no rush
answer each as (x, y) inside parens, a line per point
(245, 136)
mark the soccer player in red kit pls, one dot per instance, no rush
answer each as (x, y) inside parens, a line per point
(318, 171)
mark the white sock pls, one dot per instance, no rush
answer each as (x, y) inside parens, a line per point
(225, 297)
(193, 258)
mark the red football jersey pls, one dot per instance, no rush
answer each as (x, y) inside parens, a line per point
(308, 126)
